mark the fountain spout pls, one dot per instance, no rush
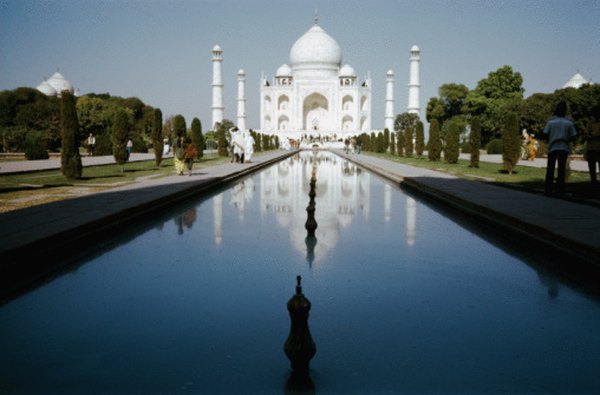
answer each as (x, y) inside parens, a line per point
(299, 346)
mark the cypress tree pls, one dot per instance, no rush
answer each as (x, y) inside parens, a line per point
(258, 141)
(420, 139)
(179, 128)
(198, 137)
(120, 131)
(157, 136)
(386, 139)
(70, 159)
(221, 136)
(451, 151)
(380, 143)
(392, 144)
(434, 145)
(408, 142)
(373, 142)
(512, 142)
(400, 143)
(475, 141)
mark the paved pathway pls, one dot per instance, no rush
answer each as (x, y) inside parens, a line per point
(32, 239)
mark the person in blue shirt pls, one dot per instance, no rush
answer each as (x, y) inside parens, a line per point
(559, 131)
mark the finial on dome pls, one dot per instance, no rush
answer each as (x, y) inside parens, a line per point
(316, 17)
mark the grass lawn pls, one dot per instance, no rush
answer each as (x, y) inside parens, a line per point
(525, 178)
(29, 189)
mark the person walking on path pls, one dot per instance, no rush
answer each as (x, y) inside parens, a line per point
(91, 144)
(592, 140)
(129, 148)
(559, 131)
(189, 154)
(178, 151)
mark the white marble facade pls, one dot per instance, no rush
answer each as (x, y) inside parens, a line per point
(314, 92)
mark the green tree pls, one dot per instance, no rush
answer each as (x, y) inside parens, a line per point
(451, 150)
(400, 143)
(536, 111)
(408, 142)
(386, 139)
(512, 142)
(392, 143)
(420, 139)
(70, 158)
(380, 143)
(120, 133)
(449, 104)
(179, 127)
(35, 146)
(198, 137)
(434, 144)
(405, 120)
(580, 103)
(494, 96)
(223, 137)
(475, 141)
(157, 138)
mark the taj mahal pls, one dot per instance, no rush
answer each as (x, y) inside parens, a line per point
(314, 93)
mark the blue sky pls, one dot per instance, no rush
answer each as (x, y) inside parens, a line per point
(160, 50)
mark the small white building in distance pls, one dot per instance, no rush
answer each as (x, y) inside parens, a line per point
(576, 81)
(55, 85)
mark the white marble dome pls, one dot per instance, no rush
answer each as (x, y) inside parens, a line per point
(576, 81)
(46, 89)
(347, 71)
(59, 83)
(283, 71)
(316, 47)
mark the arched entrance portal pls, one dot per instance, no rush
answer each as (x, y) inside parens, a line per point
(316, 112)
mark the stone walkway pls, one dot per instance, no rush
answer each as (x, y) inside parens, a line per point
(33, 239)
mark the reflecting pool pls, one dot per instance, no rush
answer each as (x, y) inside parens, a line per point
(404, 299)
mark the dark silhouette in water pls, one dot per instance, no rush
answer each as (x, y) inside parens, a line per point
(299, 346)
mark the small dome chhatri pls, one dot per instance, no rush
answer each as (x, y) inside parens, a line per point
(347, 71)
(284, 71)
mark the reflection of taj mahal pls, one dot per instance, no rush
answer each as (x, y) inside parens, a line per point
(343, 195)
(314, 93)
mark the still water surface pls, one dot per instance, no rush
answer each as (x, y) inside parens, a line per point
(405, 300)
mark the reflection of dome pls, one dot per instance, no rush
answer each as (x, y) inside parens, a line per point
(316, 47)
(284, 71)
(46, 89)
(347, 71)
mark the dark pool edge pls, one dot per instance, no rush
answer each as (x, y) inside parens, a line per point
(582, 257)
(28, 264)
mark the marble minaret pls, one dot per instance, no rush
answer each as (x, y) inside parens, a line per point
(217, 86)
(241, 101)
(413, 84)
(389, 101)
